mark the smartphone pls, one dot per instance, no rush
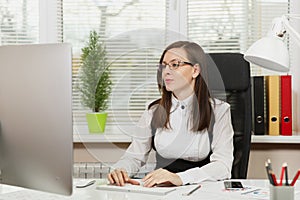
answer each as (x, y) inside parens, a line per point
(229, 185)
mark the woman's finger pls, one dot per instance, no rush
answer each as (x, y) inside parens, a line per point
(110, 179)
(120, 177)
(149, 175)
(150, 183)
(133, 182)
(125, 175)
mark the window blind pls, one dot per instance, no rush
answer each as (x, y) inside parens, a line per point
(265, 12)
(133, 33)
(232, 25)
(19, 22)
(60, 22)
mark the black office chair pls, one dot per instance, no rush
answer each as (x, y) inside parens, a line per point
(235, 73)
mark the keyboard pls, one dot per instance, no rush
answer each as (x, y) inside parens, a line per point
(128, 188)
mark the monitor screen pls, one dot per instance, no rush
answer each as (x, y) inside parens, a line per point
(36, 133)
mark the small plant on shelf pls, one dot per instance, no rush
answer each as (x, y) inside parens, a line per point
(94, 82)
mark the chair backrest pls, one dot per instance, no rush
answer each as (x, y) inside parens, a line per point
(235, 73)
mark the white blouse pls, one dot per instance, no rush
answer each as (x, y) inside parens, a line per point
(180, 142)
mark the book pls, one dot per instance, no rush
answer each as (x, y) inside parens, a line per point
(258, 108)
(273, 99)
(286, 105)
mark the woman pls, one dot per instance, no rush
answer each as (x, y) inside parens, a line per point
(190, 131)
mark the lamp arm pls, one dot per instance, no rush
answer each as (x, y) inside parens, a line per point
(291, 30)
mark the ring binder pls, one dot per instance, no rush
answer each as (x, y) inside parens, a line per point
(286, 105)
(273, 109)
(258, 107)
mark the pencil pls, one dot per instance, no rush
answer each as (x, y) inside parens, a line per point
(273, 178)
(286, 176)
(268, 173)
(192, 191)
(282, 173)
(270, 164)
(295, 178)
(250, 191)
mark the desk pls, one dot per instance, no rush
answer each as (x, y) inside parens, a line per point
(209, 190)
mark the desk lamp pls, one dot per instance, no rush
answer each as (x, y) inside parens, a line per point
(271, 52)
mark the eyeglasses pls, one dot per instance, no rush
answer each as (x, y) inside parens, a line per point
(174, 64)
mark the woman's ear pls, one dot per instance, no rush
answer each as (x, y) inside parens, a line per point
(196, 71)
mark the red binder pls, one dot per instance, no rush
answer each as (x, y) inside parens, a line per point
(286, 105)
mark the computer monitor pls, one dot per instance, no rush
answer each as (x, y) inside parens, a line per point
(36, 136)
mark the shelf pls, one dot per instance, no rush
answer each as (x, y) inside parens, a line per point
(114, 135)
(101, 138)
(111, 135)
(121, 138)
(295, 139)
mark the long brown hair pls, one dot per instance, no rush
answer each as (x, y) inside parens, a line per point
(201, 101)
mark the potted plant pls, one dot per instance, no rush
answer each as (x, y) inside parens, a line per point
(95, 84)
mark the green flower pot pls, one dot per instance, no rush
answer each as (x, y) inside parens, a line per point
(96, 122)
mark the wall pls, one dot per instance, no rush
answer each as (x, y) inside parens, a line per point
(278, 153)
(107, 151)
(103, 152)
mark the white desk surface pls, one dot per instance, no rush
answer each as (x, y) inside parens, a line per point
(209, 190)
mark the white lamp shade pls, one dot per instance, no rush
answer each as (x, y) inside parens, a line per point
(269, 52)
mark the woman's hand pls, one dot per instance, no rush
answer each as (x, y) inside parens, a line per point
(120, 177)
(160, 176)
